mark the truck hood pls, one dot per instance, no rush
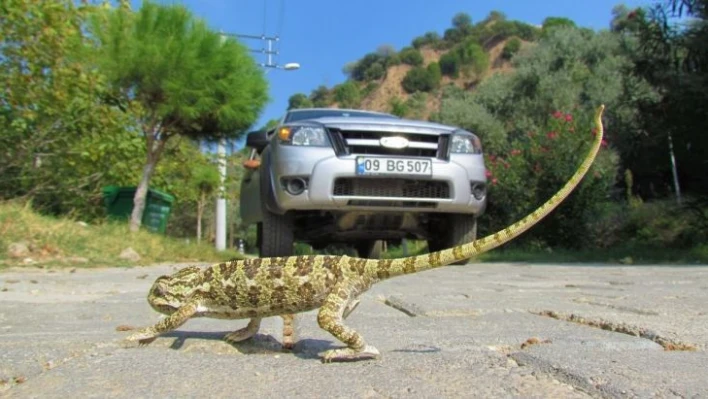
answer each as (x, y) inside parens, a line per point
(385, 125)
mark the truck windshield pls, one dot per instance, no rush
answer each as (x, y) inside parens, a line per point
(295, 116)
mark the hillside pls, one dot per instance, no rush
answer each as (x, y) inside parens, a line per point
(410, 82)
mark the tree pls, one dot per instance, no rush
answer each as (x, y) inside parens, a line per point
(551, 23)
(320, 96)
(421, 79)
(347, 95)
(206, 180)
(60, 141)
(450, 64)
(511, 47)
(299, 100)
(411, 56)
(386, 50)
(557, 85)
(461, 20)
(177, 78)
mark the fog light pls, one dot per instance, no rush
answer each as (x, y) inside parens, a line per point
(295, 185)
(479, 190)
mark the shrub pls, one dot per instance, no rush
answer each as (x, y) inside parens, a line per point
(418, 79)
(429, 38)
(369, 88)
(320, 96)
(299, 100)
(398, 107)
(510, 48)
(416, 104)
(370, 67)
(471, 53)
(347, 95)
(375, 72)
(411, 56)
(434, 74)
(536, 166)
(450, 64)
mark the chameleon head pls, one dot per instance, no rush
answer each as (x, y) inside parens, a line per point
(163, 297)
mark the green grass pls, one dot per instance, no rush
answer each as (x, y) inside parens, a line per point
(54, 241)
(617, 255)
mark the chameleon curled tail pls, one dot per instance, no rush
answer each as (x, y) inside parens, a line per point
(414, 264)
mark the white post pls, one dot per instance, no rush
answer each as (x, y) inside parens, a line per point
(673, 170)
(221, 200)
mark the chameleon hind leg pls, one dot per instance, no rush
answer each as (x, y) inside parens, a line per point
(148, 334)
(245, 333)
(331, 319)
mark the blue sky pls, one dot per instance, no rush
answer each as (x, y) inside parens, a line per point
(322, 36)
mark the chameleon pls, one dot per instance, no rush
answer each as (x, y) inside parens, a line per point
(257, 288)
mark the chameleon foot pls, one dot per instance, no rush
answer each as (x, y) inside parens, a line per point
(349, 354)
(245, 333)
(238, 336)
(143, 337)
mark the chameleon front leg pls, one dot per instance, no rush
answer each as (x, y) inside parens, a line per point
(245, 333)
(289, 326)
(330, 318)
(148, 334)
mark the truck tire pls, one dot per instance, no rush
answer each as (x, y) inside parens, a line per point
(369, 249)
(275, 235)
(458, 229)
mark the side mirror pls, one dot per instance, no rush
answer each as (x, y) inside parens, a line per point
(257, 140)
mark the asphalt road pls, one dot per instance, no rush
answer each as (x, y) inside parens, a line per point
(481, 330)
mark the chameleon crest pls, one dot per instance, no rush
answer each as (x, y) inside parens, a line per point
(282, 286)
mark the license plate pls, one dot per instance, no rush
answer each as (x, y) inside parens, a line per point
(393, 166)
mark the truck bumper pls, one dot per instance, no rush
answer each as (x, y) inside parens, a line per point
(320, 168)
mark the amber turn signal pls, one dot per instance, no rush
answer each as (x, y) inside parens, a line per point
(251, 164)
(284, 133)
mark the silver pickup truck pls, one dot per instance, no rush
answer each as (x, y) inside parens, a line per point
(325, 176)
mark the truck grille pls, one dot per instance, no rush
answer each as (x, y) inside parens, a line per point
(400, 188)
(362, 142)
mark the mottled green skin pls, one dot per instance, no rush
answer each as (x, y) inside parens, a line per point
(265, 287)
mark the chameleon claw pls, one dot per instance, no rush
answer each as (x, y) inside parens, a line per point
(146, 341)
(238, 336)
(349, 354)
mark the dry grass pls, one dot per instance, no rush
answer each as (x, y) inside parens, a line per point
(61, 241)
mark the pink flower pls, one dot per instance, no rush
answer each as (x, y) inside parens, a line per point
(515, 152)
(494, 181)
(569, 118)
(557, 114)
(488, 173)
(552, 135)
(604, 143)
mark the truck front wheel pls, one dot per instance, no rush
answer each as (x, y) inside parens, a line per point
(456, 229)
(275, 235)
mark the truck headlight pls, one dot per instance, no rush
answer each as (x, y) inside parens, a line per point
(465, 144)
(313, 136)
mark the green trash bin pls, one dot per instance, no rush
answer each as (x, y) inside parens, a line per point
(158, 205)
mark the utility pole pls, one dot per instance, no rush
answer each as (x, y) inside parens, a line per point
(221, 146)
(268, 51)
